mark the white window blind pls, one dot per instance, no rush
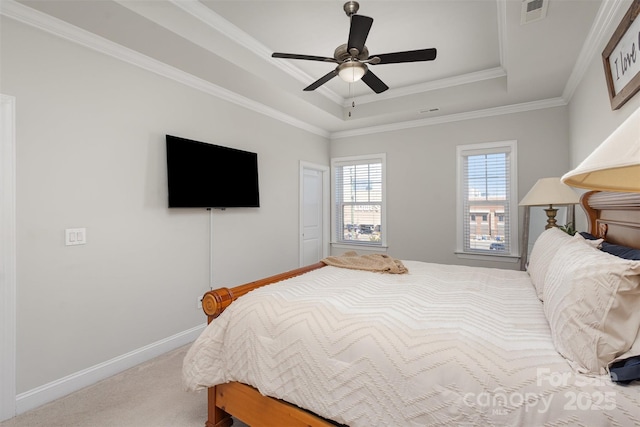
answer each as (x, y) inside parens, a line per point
(487, 212)
(359, 200)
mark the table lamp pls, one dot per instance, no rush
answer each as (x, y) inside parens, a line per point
(550, 192)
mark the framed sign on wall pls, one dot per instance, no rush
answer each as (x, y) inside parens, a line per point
(621, 58)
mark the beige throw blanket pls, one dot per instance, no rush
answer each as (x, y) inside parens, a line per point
(380, 263)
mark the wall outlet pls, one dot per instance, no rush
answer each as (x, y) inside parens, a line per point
(200, 302)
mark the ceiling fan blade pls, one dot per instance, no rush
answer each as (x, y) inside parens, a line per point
(408, 56)
(374, 82)
(322, 80)
(307, 57)
(360, 26)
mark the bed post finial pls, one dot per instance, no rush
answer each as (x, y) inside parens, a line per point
(214, 302)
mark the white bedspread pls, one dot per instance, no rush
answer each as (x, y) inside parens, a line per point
(442, 345)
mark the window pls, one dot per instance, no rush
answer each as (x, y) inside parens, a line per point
(487, 196)
(359, 200)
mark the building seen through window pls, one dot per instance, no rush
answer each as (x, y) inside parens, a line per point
(486, 227)
(486, 201)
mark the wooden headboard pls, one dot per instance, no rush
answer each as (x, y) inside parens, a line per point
(614, 217)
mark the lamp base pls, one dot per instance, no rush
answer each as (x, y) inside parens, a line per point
(551, 217)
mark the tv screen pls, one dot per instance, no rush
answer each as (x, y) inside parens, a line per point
(203, 175)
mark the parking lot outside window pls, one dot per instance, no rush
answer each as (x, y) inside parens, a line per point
(358, 198)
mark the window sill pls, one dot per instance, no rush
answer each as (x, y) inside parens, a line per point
(488, 257)
(359, 246)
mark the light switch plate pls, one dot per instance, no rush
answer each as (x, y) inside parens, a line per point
(75, 236)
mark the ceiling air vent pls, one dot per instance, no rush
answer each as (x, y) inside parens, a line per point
(533, 10)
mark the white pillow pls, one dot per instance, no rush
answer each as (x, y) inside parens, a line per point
(542, 253)
(591, 301)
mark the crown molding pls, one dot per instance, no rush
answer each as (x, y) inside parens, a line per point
(595, 41)
(488, 74)
(492, 73)
(470, 115)
(57, 27)
(235, 34)
(226, 28)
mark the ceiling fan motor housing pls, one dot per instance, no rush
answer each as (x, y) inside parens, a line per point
(351, 8)
(341, 54)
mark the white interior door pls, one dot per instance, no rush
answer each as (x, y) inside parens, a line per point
(314, 213)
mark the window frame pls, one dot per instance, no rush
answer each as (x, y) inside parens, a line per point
(479, 149)
(352, 160)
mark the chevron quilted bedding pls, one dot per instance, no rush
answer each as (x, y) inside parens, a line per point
(442, 345)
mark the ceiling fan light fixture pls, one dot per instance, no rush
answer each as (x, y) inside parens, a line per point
(353, 56)
(351, 71)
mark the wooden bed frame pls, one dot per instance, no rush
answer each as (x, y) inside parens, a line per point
(612, 216)
(243, 401)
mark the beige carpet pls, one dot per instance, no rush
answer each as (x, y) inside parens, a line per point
(150, 394)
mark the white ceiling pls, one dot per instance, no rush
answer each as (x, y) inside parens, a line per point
(487, 61)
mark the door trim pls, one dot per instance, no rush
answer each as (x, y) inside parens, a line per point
(326, 229)
(7, 258)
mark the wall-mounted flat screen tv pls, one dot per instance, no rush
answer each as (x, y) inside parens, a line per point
(203, 175)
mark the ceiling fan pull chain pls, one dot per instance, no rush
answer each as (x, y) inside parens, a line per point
(353, 100)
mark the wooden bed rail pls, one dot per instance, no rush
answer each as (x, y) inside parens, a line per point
(216, 301)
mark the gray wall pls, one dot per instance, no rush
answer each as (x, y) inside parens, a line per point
(90, 153)
(421, 174)
(591, 118)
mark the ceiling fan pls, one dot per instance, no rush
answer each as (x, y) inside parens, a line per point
(352, 58)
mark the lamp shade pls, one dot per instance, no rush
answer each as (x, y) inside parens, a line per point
(550, 191)
(351, 71)
(615, 164)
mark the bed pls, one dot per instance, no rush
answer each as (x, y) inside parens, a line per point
(440, 345)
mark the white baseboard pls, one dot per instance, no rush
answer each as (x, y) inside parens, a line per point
(59, 388)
